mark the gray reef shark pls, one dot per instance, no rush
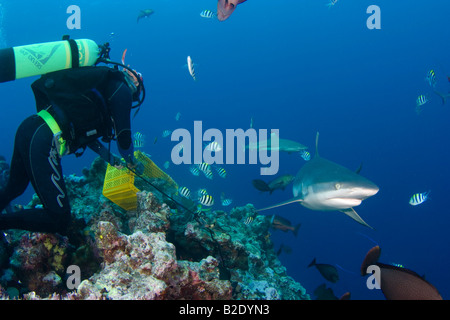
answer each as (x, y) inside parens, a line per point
(145, 14)
(323, 185)
(283, 145)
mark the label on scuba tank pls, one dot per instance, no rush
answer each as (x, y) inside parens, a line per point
(41, 58)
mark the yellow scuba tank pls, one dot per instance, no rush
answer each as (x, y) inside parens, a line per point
(37, 59)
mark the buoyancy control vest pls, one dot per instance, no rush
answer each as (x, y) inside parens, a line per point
(75, 98)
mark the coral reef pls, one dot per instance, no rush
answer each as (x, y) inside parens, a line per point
(153, 252)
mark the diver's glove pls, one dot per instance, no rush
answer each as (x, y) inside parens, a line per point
(138, 168)
(118, 163)
(135, 166)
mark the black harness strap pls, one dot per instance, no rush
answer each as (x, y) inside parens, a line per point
(75, 53)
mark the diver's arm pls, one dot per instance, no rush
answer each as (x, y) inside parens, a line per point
(104, 153)
(120, 106)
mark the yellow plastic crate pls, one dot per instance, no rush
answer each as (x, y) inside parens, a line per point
(152, 171)
(119, 185)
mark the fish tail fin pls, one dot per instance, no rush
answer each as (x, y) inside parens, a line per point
(261, 185)
(371, 258)
(280, 204)
(443, 96)
(418, 110)
(296, 229)
(352, 214)
(313, 263)
(317, 144)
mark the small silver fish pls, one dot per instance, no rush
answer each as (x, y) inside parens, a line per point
(166, 165)
(166, 133)
(191, 67)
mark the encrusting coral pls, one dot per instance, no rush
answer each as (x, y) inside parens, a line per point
(153, 252)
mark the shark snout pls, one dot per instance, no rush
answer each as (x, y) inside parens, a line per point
(364, 191)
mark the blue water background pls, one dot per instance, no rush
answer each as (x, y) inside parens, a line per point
(299, 67)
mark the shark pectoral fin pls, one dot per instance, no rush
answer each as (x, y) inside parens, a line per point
(281, 204)
(352, 214)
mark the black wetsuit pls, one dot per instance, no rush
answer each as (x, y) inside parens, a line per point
(36, 160)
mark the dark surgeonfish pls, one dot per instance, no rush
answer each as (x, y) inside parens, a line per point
(399, 283)
(283, 224)
(324, 293)
(145, 14)
(278, 183)
(328, 271)
(226, 7)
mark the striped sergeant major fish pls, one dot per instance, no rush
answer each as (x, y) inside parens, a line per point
(185, 192)
(221, 172)
(305, 155)
(208, 14)
(138, 140)
(194, 170)
(331, 3)
(190, 65)
(166, 133)
(431, 78)
(225, 201)
(206, 200)
(214, 146)
(248, 220)
(419, 198)
(420, 102)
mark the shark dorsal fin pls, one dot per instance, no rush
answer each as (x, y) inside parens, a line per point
(317, 144)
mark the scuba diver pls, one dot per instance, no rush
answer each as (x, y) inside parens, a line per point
(76, 107)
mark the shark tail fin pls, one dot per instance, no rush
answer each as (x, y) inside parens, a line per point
(280, 204)
(352, 214)
(296, 229)
(313, 263)
(443, 96)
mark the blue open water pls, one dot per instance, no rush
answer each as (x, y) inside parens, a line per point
(296, 66)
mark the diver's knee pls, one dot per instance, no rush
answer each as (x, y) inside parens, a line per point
(61, 222)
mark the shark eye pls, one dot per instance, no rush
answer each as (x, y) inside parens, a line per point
(337, 186)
